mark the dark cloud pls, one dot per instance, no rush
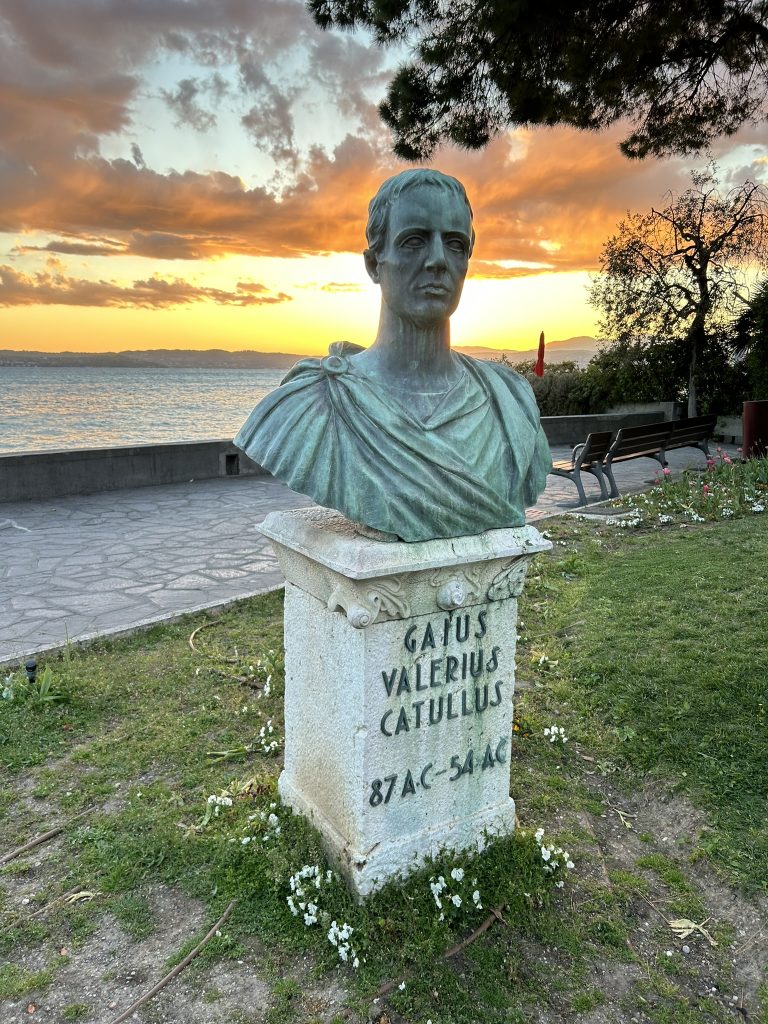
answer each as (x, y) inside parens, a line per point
(183, 103)
(54, 288)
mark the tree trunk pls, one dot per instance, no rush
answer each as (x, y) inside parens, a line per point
(692, 381)
(696, 340)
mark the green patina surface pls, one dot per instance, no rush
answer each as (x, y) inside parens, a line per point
(407, 436)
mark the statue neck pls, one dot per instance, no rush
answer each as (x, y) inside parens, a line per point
(410, 356)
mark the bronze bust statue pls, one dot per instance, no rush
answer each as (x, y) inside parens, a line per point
(407, 436)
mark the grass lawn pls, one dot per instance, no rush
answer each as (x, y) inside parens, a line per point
(649, 648)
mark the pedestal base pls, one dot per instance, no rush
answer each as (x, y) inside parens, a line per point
(368, 870)
(399, 683)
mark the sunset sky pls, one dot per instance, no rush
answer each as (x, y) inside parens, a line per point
(196, 174)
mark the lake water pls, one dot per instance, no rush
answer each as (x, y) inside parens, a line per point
(45, 408)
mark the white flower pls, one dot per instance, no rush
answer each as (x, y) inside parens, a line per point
(560, 884)
(538, 835)
(546, 853)
(457, 874)
(757, 507)
(245, 840)
(456, 900)
(401, 986)
(476, 899)
(356, 963)
(570, 865)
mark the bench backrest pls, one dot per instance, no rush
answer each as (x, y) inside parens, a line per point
(647, 437)
(695, 428)
(595, 447)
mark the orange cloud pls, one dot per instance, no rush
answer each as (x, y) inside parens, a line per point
(56, 289)
(341, 286)
(544, 200)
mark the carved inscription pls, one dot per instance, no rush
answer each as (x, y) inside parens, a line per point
(436, 683)
(382, 790)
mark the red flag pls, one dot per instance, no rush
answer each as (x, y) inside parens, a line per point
(539, 367)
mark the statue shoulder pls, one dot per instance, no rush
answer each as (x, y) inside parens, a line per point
(336, 362)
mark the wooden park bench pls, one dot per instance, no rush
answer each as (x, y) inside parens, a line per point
(587, 457)
(694, 432)
(597, 454)
(649, 440)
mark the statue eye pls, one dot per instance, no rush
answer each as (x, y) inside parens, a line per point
(457, 245)
(412, 242)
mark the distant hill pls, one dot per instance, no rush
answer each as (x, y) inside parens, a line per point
(163, 358)
(580, 350)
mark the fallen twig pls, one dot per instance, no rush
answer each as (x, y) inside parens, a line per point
(25, 918)
(176, 970)
(51, 834)
(624, 816)
(750, 941)
(191, 642)
(495, 915)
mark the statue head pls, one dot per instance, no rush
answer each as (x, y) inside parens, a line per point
(420, 237)
(391, 190)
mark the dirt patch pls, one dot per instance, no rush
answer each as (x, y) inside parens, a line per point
(654, 822)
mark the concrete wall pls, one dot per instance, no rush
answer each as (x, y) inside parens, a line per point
(28, 476)
(730, 429)
(572, 430)
(662, 410)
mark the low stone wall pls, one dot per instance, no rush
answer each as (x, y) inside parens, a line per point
(29, 476)
(730, 429)
(572, 430)
(32, 476)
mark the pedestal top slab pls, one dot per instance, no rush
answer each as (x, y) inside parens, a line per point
(359, 553)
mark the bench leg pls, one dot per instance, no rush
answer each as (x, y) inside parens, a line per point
(597, 470)
(574, 478)
(608, 471)
(580, 487)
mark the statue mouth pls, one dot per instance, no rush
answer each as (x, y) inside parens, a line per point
(435, 289)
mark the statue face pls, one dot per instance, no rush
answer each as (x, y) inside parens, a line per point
(424, 262)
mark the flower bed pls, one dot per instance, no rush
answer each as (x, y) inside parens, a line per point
(728, 488)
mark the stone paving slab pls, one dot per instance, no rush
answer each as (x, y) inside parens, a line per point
(79, 567)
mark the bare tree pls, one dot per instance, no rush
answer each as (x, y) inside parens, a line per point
(682, 272)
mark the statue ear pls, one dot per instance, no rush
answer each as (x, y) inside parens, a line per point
(371, 265)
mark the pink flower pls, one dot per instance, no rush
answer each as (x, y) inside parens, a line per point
(710, 463)
(706, 488)
(727, 459)
(666, 471)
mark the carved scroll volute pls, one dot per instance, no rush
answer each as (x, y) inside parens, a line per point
(366, 600)
(509, 581)
(455, 588)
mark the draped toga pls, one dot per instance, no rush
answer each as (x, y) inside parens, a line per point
(474, 464)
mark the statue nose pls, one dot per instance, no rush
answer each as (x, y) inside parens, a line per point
(436, 254)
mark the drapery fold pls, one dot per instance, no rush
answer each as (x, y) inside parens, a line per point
(474, 464)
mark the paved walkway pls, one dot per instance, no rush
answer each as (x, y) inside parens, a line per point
(78, 567)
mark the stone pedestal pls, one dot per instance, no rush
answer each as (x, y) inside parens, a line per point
(398, 694)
